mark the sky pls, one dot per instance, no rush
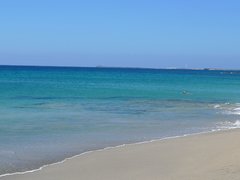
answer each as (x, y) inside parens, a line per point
(126, 33)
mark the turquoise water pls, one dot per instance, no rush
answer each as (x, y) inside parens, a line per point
(49, 113)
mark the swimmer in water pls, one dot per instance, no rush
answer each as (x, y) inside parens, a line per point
(186, 92)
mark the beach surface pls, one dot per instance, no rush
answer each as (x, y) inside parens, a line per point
(212, 156)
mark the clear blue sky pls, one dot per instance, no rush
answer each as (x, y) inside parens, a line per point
(150, 33)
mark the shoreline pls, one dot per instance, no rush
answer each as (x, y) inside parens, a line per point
(89, 153)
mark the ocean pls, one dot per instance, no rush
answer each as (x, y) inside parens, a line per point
(48, 114)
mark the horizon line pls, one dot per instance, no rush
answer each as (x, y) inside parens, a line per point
(121, 67)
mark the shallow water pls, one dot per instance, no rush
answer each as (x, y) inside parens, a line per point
(48, 114)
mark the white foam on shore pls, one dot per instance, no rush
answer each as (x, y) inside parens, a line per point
(228, 108)
(237, 123)
(229, 125)
(118, 146)
(217, 106)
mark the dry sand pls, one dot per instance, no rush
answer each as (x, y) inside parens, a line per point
(212, 156)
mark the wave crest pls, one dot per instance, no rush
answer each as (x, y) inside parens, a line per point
(229, 125)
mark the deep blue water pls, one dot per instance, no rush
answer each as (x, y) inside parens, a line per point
(50, 113)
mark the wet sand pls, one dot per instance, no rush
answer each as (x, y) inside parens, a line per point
(210, 156)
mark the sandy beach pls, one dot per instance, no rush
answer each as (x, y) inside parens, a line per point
(206, 156)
